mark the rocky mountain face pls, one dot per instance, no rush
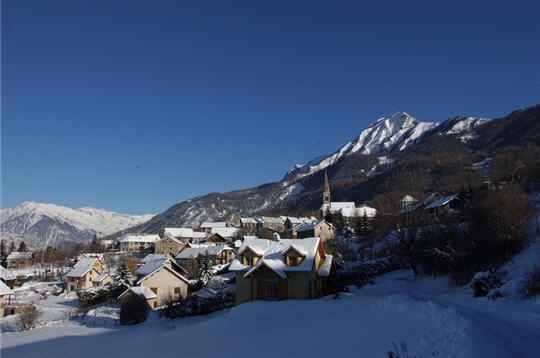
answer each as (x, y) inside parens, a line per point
(41, 225)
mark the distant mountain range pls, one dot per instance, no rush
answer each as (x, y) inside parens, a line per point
(41, 225)
(355, 171)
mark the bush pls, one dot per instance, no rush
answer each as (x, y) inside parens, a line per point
(530, 286)
(192, 306)
(487, 284)
(28, 316)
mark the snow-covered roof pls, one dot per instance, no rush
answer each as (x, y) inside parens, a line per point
(272, 253)
(179, 232)
(213, 224)
(152, 257)
(141, 291)
(19, 255)
(441, 201)
(101, 277)
(336, 206)
(272, 219)
(5, 290)
(152, 266)
(6, 274)
(360, 211)
(407, 199)
(193, 252)
(226, 231)
(82, 267)
(140, 238)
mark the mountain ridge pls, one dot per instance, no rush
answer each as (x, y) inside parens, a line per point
(355, 168)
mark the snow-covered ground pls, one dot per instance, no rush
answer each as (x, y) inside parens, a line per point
(429, 315)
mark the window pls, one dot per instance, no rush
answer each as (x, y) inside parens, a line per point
(294, 260)
(154, 289)
(177, 290)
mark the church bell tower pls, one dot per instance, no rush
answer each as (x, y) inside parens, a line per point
(326, 190)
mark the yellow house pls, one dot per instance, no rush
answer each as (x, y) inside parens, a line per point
(165, 278)
(84, 272)
(283, 269)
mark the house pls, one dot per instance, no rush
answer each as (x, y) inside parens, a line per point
(102, 280)
(169, 245)
(84, 272)
(283, 269)
(19, 260)
(214, 238)
(165, 278)
(4, 291)
(291, 221)
(142, 293)
(190, 257)
(448, 206)
(207, 226)
(321, 229)
(184, 235)
(246, 224)
(275, 223)
(228, 233)
(135, 243)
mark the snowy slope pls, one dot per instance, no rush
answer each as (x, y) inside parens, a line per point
(392, 133)
(47, 224)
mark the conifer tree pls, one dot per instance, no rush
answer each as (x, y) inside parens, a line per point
(22, 247)
(3, 251)
(123, 275)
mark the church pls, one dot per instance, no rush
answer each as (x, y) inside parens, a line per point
(345, 208)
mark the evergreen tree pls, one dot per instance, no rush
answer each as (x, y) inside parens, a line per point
(205, 267)
(95, 245)
(22, 247)
(123, 275)
(12, 247)
(3, 252)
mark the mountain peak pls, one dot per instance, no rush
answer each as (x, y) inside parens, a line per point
(41, 224)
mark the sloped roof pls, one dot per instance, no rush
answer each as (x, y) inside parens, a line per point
(193, 252)
(82, 267)
(272, 255)
(442, 201)
(214, 224)
(152, 266)
(140, 238)
(101, 277)
(5, 290)
(142, 292)
(19, 255)
(6, 274)
(226, 231)
(179, 231)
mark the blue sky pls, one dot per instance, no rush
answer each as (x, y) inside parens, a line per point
(134, 106)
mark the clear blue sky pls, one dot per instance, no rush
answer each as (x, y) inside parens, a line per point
(134, 106)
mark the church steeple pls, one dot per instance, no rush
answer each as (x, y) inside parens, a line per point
(326, 190)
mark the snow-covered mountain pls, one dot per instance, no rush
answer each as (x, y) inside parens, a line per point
(392, 133)
(40, 225)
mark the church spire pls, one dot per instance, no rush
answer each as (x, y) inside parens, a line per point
(326, 190)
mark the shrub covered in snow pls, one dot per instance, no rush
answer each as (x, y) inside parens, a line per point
(28, 316)
(487, 284)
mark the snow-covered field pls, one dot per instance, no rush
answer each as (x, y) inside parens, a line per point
(429, 315)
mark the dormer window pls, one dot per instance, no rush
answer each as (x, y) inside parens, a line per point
(293, 257)
(249, 257)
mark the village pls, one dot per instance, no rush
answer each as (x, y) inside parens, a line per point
(235, 261)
